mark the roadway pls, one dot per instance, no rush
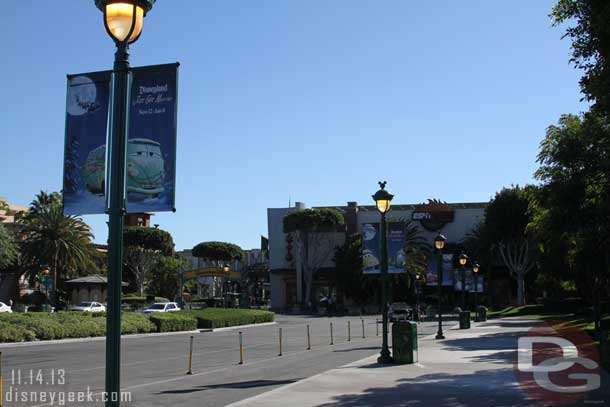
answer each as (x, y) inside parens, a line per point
(153, 368)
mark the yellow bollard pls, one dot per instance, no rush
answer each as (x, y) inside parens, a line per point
(280, 342)
(331, 334)
(241, 349)
(190, 358)
(362, 328)
(308, 339)
(1, 392)
(376, 327)
(349, 331)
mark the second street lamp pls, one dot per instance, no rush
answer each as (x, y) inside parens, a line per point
(439, 244)
(475, 270)
(382, 201)
(123, 21)
(463, 260)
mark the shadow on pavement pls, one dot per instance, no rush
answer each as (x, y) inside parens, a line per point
(233, 385)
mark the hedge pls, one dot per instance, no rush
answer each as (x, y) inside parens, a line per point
(29, 326)
(225, 317)
(173, 321)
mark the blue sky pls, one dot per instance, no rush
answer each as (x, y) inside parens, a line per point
(315, 100)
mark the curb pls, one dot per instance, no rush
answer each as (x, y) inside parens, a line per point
(233, 328)
(130, 336)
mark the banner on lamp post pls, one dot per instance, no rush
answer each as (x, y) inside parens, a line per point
(371, 240)
(87, 102)
(151, 146)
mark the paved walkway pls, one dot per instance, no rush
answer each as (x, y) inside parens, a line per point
(470, 368)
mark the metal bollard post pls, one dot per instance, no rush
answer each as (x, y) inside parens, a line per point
(241, 349)
(191, 357)
(362, 328)
(377, 327)
(280, 342)
(308, 339)
(331, 334)
(349, 331)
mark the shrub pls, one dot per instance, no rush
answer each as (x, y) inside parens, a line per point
(132, 323)
(226, 317)
(15, 333)
(174, 321)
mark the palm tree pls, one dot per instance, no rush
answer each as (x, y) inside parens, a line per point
(49, 238)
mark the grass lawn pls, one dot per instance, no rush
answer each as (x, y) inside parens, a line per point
(559, 320)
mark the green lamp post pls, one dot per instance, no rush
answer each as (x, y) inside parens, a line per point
(123, 21)
(463, 259)
(382, 200)
(439, 243)
(475, 270)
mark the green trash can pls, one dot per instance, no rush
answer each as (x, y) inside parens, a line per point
(465, 320)
(404, 342)
(481, 314)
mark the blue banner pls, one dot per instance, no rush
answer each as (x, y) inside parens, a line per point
(85, 143)
(432, 274)
(371, 241)
(370, 248)
(151, 148)
(397, 258)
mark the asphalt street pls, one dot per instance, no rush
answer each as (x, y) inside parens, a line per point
(153, 369)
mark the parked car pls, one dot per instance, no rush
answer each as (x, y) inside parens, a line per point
(162, 307)
(399, 311)
(5, 308)
(89, 306)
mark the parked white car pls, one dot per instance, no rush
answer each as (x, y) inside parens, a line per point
(162, 307)
(5, 308)
(89, 306)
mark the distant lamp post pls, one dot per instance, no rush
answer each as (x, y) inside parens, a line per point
(382, 200)
(475, 270)
(417, 290)
(123, 21)
(463, 259)
(439, 244)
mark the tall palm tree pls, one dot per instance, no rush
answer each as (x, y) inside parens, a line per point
(49, 238)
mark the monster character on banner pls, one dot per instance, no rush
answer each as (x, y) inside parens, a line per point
(151, 145)
(370, 248)
(86, 125)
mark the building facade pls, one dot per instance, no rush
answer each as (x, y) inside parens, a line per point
(454, 220)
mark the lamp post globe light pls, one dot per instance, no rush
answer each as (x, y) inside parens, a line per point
(123, 21)
(475, 270)
(463, 259)
(382, 200)
(439, 244)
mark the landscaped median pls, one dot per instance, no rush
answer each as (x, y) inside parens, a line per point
(24, 327)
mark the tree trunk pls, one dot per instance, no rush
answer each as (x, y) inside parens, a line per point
(520, 289)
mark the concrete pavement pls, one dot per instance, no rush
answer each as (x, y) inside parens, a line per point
(469, 368)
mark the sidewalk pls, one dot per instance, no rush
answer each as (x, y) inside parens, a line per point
(470, 368)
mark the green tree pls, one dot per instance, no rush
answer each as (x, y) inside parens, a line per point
(49, 238)
(165, 276)
(503, 236)
(348, 276)
(589, 32)
(143, 248)
(572, 207)
(315, 240)
(218, 252)
(8, 249)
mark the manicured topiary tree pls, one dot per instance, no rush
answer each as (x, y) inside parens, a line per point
(218, 251)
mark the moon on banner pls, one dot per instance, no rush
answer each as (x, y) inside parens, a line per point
(81, 96)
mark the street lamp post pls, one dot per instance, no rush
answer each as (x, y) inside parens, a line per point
(463, 259)
(439, 243)
(123, 20)
(417, 290)
(382, 201)
(475, 269)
